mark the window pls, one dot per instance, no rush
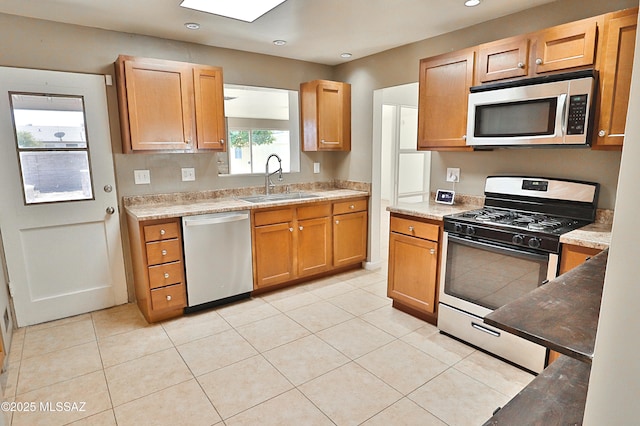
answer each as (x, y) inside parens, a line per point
(260, 122)
(53, 152)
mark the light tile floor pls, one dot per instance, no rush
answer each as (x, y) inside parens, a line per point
(332, 351)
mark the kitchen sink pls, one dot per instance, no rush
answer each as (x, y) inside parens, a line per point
(278, 197)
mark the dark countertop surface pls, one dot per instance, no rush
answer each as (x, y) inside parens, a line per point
(556, 397)
(562, 314)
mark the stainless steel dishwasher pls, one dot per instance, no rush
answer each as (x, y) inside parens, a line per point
(217, 256)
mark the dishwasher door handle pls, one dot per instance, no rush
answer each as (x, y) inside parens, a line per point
(212, 220)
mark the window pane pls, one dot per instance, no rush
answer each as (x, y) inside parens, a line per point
(267, 142)
(55, 176)
(45, 122)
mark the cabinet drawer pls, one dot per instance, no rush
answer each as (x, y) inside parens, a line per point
(165, 274)
(311, 212)
(273, 216)
(173, 296)
(162, 231)
(163, 252)
(349, 206)
(428, 231)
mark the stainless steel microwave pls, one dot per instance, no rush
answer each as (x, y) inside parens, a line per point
(553, 110)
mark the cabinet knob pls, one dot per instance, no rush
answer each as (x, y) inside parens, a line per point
(432, 251)
(411, 229)
(337, 222)
(300, 228)
(352, 207)
(164, 252)
(520, 65)
(168, 297)
(538, 61)
(464, 137)
(162, 232)
(602, 133)
(221, 141)
(290, 229)
(166, 275)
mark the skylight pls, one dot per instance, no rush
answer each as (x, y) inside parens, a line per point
(244, 10)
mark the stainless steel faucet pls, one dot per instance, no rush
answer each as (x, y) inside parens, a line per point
(268, 184)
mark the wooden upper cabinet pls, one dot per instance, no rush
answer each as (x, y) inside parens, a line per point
(168, 105)
(325, 111)
(615, 78)
(508, 58)
(567, 46)
(209, 107)
(442, 104)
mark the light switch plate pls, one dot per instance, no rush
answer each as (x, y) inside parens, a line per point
(453, 174)
(316, 167)
(141, 177)
(188, 174)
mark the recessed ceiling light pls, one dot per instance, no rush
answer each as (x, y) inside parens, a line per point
(346, 55)
(279, 42)
(192, 25)
(471, 3)
(244, 10)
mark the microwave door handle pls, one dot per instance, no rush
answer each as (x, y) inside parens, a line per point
(562, 100)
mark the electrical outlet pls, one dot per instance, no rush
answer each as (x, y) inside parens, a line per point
(141, 177)
(453, 174)
(188, 174)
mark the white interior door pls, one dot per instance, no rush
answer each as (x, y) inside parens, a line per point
(58, 211)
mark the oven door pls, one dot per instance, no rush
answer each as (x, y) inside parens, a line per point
(478, 276)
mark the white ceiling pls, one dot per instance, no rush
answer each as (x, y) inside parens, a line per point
(315, 30)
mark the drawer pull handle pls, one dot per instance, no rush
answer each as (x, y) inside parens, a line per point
(520, 65)
(485, 329)
(166, 275)
(538, 61)
(411, 229)
(300, 228)
(168, 297)
(162, 232)
(164, 252)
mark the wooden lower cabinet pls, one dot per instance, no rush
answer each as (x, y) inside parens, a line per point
(158, 267)
(413, 265)
(293, 243)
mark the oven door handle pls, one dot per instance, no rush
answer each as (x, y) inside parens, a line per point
(499, 249)
(485, 329)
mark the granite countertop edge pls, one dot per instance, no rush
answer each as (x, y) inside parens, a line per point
(173, 209)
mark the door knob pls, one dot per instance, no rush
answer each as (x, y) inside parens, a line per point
(111, 210)
(108, 188)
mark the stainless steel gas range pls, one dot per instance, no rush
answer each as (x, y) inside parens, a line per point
(494, 255)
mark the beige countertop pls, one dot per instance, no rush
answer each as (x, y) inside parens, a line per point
(430, 209)
(163, 209)
(595, 235)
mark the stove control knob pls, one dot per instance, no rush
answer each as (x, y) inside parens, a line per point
(534, 242)
(457, 228)
(518, 239)
(471, 230)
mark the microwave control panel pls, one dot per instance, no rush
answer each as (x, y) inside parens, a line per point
(577, 114)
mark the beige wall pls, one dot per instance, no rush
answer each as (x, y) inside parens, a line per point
(400, 66)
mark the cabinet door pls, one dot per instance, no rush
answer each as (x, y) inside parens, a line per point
(273, 247)
(615, 77)
(566, 46)
(314, 246)
(503, 59)
(334, 116)
(349, 238)
(573, 256)
(159, 99)
(209, 104)
(442, 104)
(412, 271)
